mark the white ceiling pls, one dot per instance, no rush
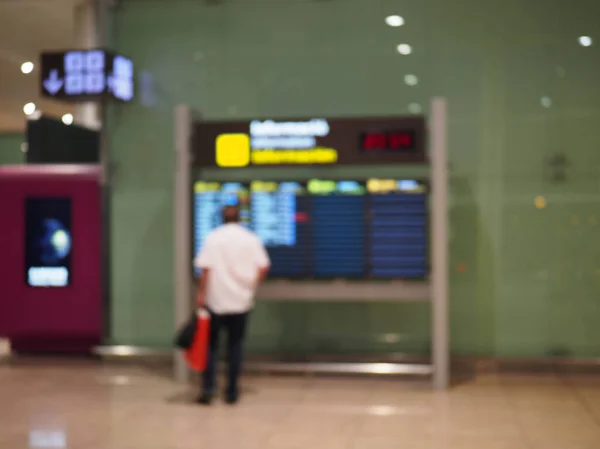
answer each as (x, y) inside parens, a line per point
(28, 27)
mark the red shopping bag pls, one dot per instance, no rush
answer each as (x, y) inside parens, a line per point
(196, 356)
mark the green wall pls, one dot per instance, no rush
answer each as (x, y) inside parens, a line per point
(524, 281)
(10, 148)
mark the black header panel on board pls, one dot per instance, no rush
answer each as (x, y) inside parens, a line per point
(86, 75)
(316, 141)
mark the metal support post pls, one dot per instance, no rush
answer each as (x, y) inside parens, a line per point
(182, 227)
(439, 279)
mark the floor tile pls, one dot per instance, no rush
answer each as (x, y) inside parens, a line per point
(85, 405)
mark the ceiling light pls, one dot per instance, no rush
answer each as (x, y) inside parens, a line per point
(67, 119)
(29, 108)
(27, 67)
(404, 49)
(394, 21)
(585, 41)
(411, 80)
(415, 108)
(539, 202)
(546, 102)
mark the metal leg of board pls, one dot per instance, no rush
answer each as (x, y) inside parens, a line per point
(182, 228)
(439, 243)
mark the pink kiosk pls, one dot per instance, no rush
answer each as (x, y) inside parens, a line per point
(50, 269)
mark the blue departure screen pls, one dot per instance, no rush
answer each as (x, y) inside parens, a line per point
(327, 229)
(338, 229)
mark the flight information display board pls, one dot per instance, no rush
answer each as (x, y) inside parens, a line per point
(376, 228)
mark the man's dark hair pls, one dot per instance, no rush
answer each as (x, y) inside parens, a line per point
(231, 214)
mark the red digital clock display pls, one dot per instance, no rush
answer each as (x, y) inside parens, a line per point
(392, 141)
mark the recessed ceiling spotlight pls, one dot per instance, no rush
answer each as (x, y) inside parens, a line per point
(394, 21)
(67, 119)
(415, 108)
(546, 102)
(585, 41)
(411, 80)
(27, 67)
(29, 108)
(404, 49)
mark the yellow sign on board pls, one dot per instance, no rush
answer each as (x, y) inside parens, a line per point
(202, 186)
(307, 156)
(233, 150)
(382, 185)
(320, 187)
(262, 186)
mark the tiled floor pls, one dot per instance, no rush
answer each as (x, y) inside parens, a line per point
(88, 406)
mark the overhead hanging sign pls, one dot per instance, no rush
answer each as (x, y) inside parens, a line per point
(311, 141)
(86, 75)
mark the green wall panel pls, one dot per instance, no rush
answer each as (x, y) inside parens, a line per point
(10, 149)
(524, 281)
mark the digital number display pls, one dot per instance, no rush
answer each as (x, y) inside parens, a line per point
(394, 141)
(328, 229)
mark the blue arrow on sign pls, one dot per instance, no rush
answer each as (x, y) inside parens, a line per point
(53, 83)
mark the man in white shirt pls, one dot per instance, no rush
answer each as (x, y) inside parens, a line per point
(233, 261)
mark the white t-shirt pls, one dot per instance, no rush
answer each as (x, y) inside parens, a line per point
(233, 255)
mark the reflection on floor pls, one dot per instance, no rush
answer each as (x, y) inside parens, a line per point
(81, 406)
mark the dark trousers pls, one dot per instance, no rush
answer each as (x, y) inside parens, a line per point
(235, 327)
